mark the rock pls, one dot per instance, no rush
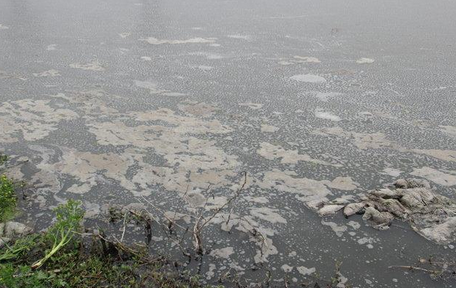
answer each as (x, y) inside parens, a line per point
(340, 201)
(418, 183)
(386, 193)
(12, 229)
(401, 183)
(396, 208)
(432, 215)
(417, 198)
(329, 209)
(411, 183)
(378, 220)
(441, 233)
(3, 241)
(353, 208)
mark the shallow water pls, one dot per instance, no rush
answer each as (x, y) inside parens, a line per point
(172, 101)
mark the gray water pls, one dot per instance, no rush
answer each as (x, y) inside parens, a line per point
(171, 101)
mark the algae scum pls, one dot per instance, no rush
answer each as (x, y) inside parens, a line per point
(247, 128)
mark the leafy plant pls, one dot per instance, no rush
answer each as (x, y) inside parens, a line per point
(3, 159)
(13, 276)
(7, 198)
(20, 247)
(68, 223)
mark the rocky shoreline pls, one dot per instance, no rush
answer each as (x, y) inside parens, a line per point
(430, 214)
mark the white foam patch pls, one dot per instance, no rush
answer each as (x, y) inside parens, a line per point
(51, 47)
(338, 229)
(198, 40)
(325, 96)
(436, 176)
(368, 241)
(205, 68)
(124, 35)
(153, 89)
(224, 253)
(319, 113)
(30, 119)
(271, 152)
(207, 55)
(254, 106)
(354, 225)
(92, 66)
(285, 63)
(365, 61)
(308, 78)
(268, 128)
(450, 130)
(306, 271)
(238, 36)
(48, 73)
(445, 155)
(392, 172)
(268, 214)
(343, 183)
(211, 271)
(287, 268)
(306, 59)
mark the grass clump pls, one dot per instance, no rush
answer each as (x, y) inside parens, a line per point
(67, 259)
(70, 269)
(3, 159)
(8, 199)
(19, 248)
(69, 217)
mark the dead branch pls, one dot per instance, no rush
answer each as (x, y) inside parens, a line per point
(198, 227)
(124, 227)
(164, 227)
(415, 268)
(236, 195)
(163, 213)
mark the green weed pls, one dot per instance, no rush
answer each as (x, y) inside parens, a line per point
(8, 199)
(69, 218)
(3, 159)
(19, 248)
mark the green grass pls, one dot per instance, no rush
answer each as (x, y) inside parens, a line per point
(8, 199)
(19, 248)
(3, 159)
(69, 217)
(70, 267)
(65, 260)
